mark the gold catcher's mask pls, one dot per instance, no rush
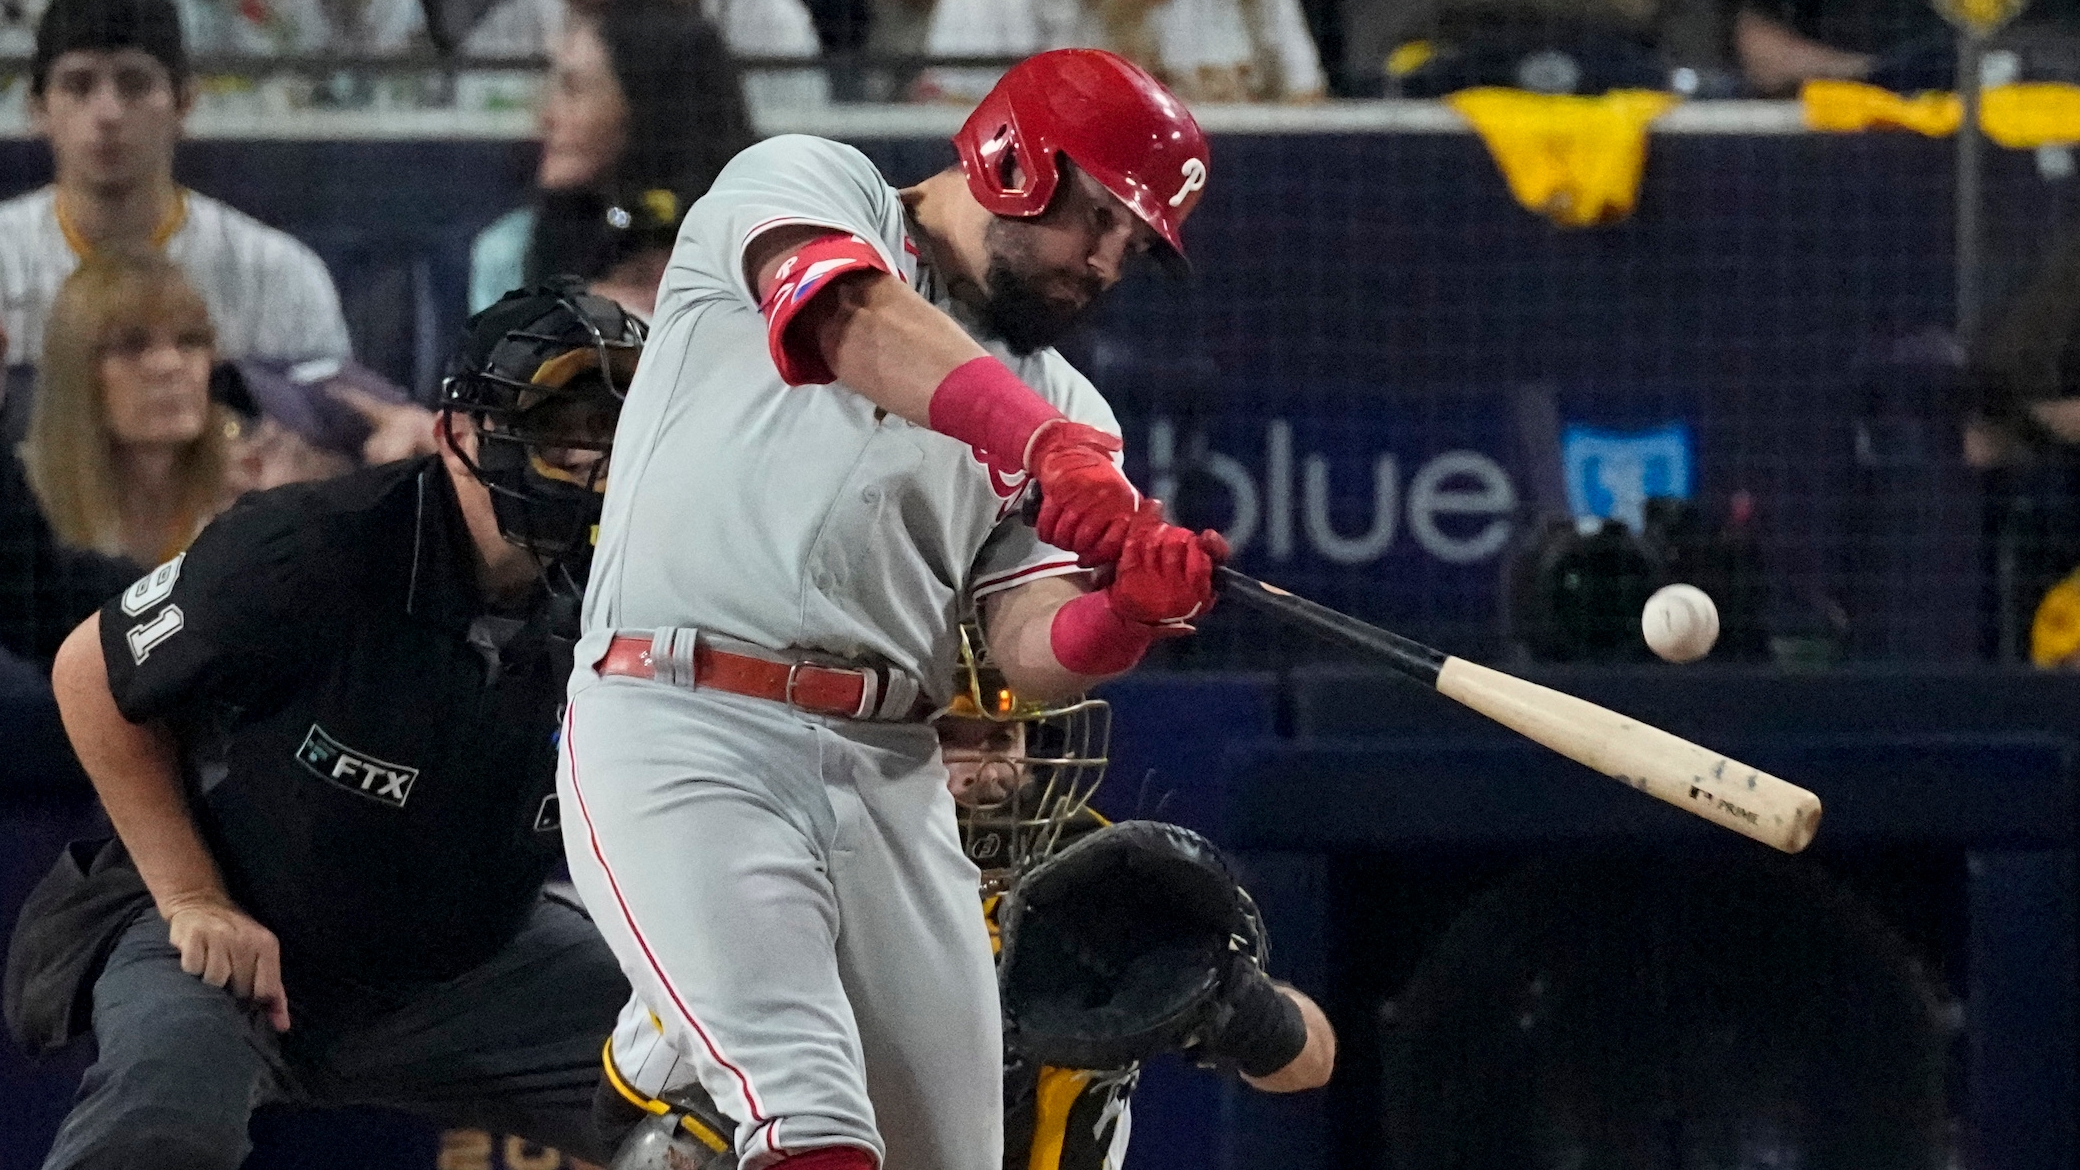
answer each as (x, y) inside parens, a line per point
(1023, 771)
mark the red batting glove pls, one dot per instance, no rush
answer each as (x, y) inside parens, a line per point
(1163, 579)
(1086, 503)
(1165, 574)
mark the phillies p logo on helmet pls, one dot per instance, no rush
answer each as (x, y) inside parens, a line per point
(1194, 179)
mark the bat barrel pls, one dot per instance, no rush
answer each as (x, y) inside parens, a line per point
(1667, 767)
(1695, 779)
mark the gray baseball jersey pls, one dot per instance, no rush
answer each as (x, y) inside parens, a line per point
(787, 893)
(801, 516)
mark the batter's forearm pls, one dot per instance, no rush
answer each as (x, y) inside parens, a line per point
(136, 772)
(1019, 623)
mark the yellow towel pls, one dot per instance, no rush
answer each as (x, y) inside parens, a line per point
(1575, 160)
(2032, 114)
(1844, 106)
(2023, 116)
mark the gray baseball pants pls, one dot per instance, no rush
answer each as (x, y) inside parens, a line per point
(790, 901)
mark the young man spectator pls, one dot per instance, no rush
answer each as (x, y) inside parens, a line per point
(109, 89)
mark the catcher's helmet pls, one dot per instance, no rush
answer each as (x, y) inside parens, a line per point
(1033, 786)
(1113, 120)
(544, 371)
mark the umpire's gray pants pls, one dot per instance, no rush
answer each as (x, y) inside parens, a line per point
(512, 1046)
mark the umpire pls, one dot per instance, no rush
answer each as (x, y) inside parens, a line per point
(326, 736)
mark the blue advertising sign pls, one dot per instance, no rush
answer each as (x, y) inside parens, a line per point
(1387, 512)
(1611, 474)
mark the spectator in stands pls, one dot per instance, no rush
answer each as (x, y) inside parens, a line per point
(1901, 45)
(303, 421)
(46, 588)
(260, 28)
(1706, 48)
(17, 29)
(750, 28)
(1778, 49)
(126, 451)
(620, 257)
(1205, 50)
(109, 89)
(1564, 46)
(2024, 432)
(643, 105)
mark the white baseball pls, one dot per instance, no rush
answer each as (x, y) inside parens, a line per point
(1680, 623)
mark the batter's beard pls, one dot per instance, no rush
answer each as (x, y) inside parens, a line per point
(1023, 316)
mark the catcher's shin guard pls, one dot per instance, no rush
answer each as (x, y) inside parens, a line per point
(662, 1141)
(680, 1129)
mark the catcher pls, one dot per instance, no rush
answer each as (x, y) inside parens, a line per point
(1117, 942)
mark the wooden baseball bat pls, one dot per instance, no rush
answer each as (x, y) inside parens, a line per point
(1697, 780)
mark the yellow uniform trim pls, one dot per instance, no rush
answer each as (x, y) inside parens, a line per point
(176, 215)
(628, 1093)
(1055, 1096)
(647, 1104)
(989, 916)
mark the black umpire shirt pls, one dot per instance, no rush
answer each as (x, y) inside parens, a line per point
(370, 749)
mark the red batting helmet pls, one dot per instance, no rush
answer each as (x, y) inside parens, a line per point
(1108, 115)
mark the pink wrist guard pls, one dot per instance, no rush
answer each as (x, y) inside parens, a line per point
(1088, 637)
(983, 404)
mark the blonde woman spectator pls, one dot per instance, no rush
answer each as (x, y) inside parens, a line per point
(126, 452)
(1205, 50)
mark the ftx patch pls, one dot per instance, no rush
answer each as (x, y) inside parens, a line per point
(355, 771)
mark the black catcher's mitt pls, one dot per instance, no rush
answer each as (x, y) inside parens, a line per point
(1117, 947)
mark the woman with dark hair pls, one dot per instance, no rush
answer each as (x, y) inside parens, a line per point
(643, 107)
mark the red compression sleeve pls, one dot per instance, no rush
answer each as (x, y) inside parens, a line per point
(803, 275)
(983, 404)
(1090, 638)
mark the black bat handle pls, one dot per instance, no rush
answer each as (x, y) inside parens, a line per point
(1410, 657)
(1406, 655)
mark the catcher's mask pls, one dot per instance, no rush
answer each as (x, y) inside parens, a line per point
(542, 374)
(1117, 947)
(1024, 771)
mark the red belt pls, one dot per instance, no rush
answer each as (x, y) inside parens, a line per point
(844, 691)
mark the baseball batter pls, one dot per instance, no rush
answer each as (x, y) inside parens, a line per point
(847, 391)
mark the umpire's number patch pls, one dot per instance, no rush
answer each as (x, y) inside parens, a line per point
(355, 771)
(149, 592)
